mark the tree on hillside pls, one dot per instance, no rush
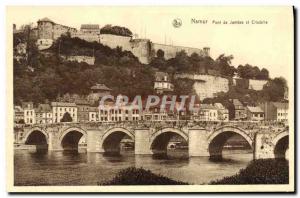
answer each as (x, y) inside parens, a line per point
(66, 117)
(159, 61)
(116, 30)
(160, 54)
(181, 62)
(264, 74)
(252, 72)
(274, 89)
(223, 64)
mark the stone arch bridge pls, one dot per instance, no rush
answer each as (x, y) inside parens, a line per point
(203, 138)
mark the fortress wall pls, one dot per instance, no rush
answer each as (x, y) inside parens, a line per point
(58, 30)
(207, 86)
(257, 84)
(114, 41)
(211, 86)
(90, 37)
(170, 50)
(141, 49)
(45, 30)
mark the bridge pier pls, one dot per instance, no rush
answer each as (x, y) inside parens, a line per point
(93, 141)
(142, 142)
(263, 147)
(54, 143)
(198, 146)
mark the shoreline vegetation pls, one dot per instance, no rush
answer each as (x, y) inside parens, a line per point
(262, 171)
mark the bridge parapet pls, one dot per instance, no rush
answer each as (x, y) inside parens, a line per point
(250, 127)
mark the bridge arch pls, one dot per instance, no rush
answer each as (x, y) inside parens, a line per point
(70, 137)
(38, 137)
(219, 137)
(160, 139)
(111, 139)
(281, 144)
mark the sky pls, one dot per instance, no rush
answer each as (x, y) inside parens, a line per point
(264, 45)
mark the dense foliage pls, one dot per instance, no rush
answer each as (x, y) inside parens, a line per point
(46, 76)
(116, 30)
(198, 64)
(140, 176)
(263, 171)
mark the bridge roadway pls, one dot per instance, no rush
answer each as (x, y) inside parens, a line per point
(267, 139)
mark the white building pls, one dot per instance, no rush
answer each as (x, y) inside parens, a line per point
(43, 114)
(162, 83)
(29, 113)
(18, 114)
(276, 111)
(255, 113)
(282, 111)
(206, 112)
(112, 113)
(223, 113)
(59, 109)
(94, 114)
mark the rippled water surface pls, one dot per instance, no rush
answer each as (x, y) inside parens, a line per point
(61, 168)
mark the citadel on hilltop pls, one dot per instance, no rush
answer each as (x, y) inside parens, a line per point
(48, 31)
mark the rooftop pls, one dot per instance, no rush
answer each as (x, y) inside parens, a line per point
(43, 108)
(81, 102)
(207, 106)
(281, 105)
(255, 109)
(18, 109)
(63, 104)
(89, 26)
(160, 76)
(236, 102)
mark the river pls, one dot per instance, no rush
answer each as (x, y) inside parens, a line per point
(81, 168)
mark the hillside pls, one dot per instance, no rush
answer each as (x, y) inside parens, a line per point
(45, 75)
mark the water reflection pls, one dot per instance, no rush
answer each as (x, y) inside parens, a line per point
(82, 168)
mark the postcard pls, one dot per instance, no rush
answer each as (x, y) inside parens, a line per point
(150, 99)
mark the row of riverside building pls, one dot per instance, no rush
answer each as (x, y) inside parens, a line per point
(88, 110)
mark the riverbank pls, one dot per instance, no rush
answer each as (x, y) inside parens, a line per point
(264, 171)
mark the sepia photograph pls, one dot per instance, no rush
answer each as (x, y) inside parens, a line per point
(150, 99)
